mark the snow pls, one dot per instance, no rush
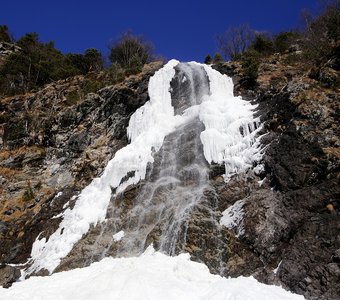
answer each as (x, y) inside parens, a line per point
(118, 236)
(150, 276)
(232, 217)
(277, 268)
(222, 114)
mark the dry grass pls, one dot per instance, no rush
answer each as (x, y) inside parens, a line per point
(8, 173)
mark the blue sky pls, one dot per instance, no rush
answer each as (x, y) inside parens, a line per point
(183, 29)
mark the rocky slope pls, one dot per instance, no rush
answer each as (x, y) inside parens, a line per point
(292, 222)
(53, 144)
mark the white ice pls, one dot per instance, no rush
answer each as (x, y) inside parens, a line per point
(152, 276)
(224, 117)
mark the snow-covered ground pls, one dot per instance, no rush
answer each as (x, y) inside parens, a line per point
(150, 276)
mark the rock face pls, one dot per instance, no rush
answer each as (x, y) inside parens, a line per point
(51, 147)
(287, 230)
(293, 227)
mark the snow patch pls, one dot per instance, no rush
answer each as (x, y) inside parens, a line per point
(151, 276)
(277, 268)
(232, 217)
(118, 236)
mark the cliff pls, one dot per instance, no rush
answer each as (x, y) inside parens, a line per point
(56, 140)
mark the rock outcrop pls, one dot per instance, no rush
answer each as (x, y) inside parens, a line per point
(291, 223)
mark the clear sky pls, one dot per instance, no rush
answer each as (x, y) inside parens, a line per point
(182, 29)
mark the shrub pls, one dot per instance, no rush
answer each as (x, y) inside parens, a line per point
(91, 86)
(135, 66)
(4, 34)
(115, 73)
(93, 60)
(262, 45)
(16, 130)
(28, 194)
(250, 61)
(72, 98)
(284, 40)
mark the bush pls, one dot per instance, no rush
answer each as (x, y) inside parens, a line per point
(115, 73)
(28, 194)
(4, 34)
(16, 130)
(263, 45)
(93, 60)
(135, 66)
(91, 86)
(250, 61)
(72, 98)
(284, 40)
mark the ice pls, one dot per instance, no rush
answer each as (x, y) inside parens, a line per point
(230, 135)
(151, 276)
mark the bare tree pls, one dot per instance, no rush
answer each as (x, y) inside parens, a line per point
(130, 49)
(235, 40)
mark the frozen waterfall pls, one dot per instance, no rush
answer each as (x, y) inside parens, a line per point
(191, 120)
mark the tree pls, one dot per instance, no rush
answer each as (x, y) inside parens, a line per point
(4, 34)
(250, 64)
(262, 44)
(235, 40)
(217, 58)
(208, 60)
(130, 50)
(93, 60)
(322, 34)
(284, 40)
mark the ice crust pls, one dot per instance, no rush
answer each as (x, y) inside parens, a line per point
(151, 276)
(224, 117)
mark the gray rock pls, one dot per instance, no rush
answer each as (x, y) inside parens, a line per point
(8, 275)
